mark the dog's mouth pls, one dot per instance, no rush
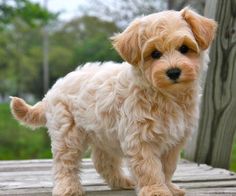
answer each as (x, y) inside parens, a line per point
(175, 85)
(175, 82)
(182, 81)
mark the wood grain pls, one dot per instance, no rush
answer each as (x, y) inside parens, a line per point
(217, 125)
(34, 177)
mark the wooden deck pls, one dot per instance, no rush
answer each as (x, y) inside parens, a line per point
(33, 177)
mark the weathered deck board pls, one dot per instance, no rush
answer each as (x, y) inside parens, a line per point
(33, 177)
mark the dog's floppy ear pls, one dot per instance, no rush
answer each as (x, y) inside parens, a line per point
(202, 27)
(127, 43)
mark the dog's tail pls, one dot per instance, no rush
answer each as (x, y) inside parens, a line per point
(32, 116)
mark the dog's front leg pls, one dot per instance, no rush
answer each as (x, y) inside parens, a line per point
(147, 168)
(169, 161)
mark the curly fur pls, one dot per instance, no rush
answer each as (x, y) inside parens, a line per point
(130, 110)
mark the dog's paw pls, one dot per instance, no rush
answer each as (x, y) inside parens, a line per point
(155, 190)
(127, 183)
(176, 191)
(123, 183)
(68, 191)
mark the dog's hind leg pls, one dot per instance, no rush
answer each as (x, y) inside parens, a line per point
(68, 144)
(109, 167)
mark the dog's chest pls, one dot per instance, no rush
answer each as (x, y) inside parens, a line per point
(169, 121)
(173, 124)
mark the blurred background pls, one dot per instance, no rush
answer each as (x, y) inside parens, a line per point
(42, 40)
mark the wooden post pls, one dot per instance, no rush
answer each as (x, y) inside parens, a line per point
(45, 56)
(217, 126)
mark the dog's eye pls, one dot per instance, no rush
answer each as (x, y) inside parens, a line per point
(184, 49)
(156, 54)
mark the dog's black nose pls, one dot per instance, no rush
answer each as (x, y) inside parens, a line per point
(173, 73)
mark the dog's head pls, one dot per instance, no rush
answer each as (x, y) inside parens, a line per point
(166, 46)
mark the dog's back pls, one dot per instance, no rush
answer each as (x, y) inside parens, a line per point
(87, 85)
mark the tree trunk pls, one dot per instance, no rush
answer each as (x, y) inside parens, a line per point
(45, 56)
(217, 124)
(170, 4)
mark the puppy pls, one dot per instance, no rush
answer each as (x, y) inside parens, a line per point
(143, 109)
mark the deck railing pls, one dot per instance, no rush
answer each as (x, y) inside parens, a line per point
(212, 143)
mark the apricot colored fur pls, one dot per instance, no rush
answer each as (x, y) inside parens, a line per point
(130, 110)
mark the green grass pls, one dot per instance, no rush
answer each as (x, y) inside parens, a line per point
(19, 142)
(233, 157)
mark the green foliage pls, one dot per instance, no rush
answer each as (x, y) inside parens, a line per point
(18, 142)
(18, 65)
(96, 49)
(233, 157)
(18, 59)
(31, 13)
(73, 44)
(84, 39)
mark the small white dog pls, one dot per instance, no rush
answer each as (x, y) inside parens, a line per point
(143, 109)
